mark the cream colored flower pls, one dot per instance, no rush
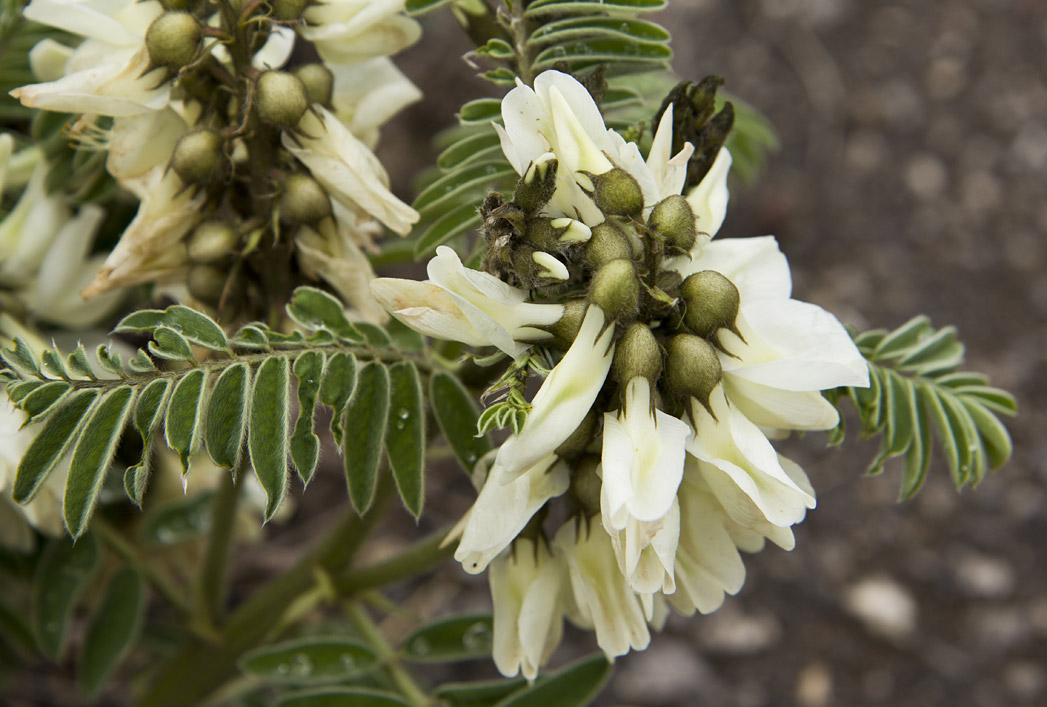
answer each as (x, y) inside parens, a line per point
(348, 31)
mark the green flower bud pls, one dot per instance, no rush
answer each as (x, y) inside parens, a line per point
(319, 82)
(206, 282)
(586, 484)
(712, 303)
(637, 354)
(615, 192)
(211, 242)
(288, 9)
(608, 242)
(693, 369)
(673, 218)
(542, 235)
(174, 4)
(582, 435)
(197, 157)
(281, 98)
(173, 39)
(303, 200)
(536, 187)
(616, 290)
(567, 328)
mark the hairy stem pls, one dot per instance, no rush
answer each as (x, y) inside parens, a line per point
(386, 655)
(210, 590)
(420, 557)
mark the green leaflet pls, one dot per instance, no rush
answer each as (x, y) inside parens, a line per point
(305, 444)
(621, 55)
(471, 149)
(141, 322)
(456, 414)
(461, 219)
(452, 638)
(109, 360)
(574, 685)
(310, 661)
(336, 387)
(171, 345)
(91, 457)
(183, 415)
(21, 358)
(267, 435)
(226, 418)
(481, 110)
(315, 309)
(405, 435)
(196, 327)
(49, 446)
(574, 28)
(112, 631)
(451, 188)
(42, 399)
(79, 364)
(61, 575)
(365, 424)
(52, 363)
(478, 694)
(149, 411)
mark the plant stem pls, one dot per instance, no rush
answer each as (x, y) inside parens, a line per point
(423, 555)
(386, 655)
(200, 668)
(210, 589)
(119, 544)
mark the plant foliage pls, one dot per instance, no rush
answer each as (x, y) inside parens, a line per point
(916, 385)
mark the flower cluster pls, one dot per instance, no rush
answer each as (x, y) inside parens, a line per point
(239, 155)
(644, 466)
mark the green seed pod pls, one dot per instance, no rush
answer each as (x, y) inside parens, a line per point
(303, 200)
(637, 354)
(608, 242)
(566, 329)
(197, 157)
(211, 242)
(281, 98)
(674, 219)
(288, 9)
(206, 282)
(616, 290)
(173, 39)
(693, 369)
(616, 193)
(712, 303)
(319, 82)
(582, 435)
(536, 187)
(586, 484)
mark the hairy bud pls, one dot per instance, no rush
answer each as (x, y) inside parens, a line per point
(303, 200)
(673, 218)
(318, 81)
(693, 369)
(288, 9)
(211, 242)
(616, 290)
(615, 192)
(281, 98)
(608, 242)
(712, 303)
(536, 187)
(197, 157)
(566, 329)
(206, 282)
(637, 354)
(173, 39)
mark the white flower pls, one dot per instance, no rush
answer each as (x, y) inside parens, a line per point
(330, 252)
(709, 198)
(564, 399)
(502, 510)
(107, 74)
(28, 230)
(138, 143)
(646, 552)
(466, 305)
(560, 117)
(603, 599)
(346, 31)
(347, 169)
(527, 590)
(742, 469)
(151, 248)
(366, 95)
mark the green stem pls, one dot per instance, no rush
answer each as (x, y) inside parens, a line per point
(386, 655)
(119, 544)
(210, 589)
(420, 557)
(200, 668)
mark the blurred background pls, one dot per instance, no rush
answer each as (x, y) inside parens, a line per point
(912, 178)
